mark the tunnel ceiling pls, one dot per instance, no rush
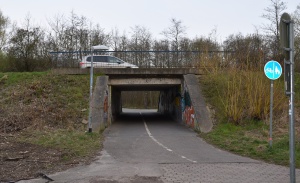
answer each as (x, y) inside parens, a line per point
(143, 87)
(144, 84)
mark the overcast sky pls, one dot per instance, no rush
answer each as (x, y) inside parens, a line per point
(200, 17)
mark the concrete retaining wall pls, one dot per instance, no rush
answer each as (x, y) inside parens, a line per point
(195, 113)
(100, 104)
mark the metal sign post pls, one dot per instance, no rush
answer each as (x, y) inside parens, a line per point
(291, 110)
(287, 44)
(91, 89)
(271, 114)
(273, 71)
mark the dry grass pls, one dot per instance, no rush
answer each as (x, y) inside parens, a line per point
(43, 100)
(41, 114)
(242, 94)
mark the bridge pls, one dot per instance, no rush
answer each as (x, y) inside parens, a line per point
(172, 73)
(141, 144)
(179, 93)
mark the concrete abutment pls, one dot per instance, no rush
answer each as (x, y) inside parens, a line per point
(180, 97)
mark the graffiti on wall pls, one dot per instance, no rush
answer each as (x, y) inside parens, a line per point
(188, 109)
(189, 114)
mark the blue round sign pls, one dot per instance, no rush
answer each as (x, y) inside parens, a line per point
(273, 70)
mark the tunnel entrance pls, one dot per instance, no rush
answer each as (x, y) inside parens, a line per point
(138, 106)
(177, 96)
(164, 98)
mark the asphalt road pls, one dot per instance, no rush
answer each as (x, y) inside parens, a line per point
(144, 146)
(149, 137)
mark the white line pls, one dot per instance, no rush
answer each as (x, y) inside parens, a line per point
(168, 149)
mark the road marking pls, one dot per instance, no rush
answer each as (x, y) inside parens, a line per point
(160, 144)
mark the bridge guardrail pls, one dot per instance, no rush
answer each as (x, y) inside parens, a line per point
(145, 59)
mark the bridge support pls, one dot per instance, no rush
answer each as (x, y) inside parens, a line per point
(100, 104)
(180, 98)
(196, 113)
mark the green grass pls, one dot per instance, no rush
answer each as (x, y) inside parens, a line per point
(249, 137)
(17, 77)
(244, 141)
(72, 143)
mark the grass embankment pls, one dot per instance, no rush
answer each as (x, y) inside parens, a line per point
(48, 110)
(241, 100)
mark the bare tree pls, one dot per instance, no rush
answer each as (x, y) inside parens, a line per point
(273, 14)
(119, 43)
(175, 33)
(74, 35)
(141, 40)
(56, 38)
(246, 51)
(124, 42)
(161, 59)
(69, 34)
(4, 21)
(115, 39)
(27, 47)
(98, 36)
(296, 18)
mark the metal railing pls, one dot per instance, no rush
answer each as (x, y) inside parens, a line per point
(144, 59)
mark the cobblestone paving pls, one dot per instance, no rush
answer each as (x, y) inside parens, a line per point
(226, 173)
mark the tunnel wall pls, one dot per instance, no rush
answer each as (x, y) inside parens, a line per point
(105, 108)
(116, 103)
(169, 103)
(186, 104)
(195, 111)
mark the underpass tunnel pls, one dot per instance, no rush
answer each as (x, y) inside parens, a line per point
(177, 97)
(162, 99)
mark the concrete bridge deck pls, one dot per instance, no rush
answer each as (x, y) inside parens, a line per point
(130, 71)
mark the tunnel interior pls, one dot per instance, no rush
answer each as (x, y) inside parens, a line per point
(161, 100)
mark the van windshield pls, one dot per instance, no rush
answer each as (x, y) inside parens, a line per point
(114, 60)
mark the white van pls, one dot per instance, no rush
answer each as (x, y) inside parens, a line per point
(104, 61)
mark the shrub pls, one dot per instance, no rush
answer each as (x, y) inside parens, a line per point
(243, 94)
(3, 62)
